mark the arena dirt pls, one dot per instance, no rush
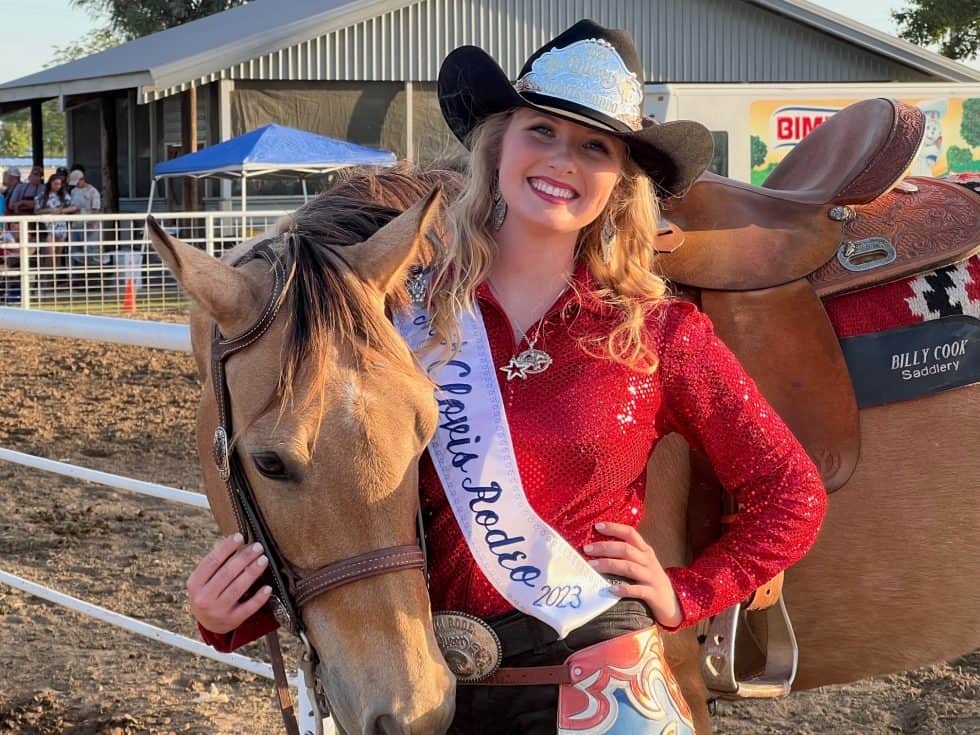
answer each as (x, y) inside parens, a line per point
(131, 411)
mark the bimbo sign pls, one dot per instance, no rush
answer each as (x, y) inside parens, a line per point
(950, 143)
(789, 125)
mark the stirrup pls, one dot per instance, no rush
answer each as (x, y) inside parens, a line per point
(718, 655)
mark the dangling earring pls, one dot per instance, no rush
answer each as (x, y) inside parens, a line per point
(499, 210)
(608, 236)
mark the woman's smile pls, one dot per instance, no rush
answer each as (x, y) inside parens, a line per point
(552, 191)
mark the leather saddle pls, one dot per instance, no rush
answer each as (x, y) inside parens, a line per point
(834, 216)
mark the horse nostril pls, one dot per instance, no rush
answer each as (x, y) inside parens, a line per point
(387, 725)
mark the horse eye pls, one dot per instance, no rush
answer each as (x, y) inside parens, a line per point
(269, 464)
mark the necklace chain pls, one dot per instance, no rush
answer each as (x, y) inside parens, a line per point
(540, 322)
(531, 360)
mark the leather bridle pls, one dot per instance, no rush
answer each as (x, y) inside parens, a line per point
(290, 589)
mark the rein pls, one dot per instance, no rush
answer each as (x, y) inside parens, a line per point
(290, 590)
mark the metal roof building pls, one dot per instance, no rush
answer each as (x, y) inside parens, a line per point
(364, 70)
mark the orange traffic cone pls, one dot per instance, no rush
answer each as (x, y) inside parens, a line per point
(129, 299)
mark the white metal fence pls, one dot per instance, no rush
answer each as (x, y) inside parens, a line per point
(146, 334)
(104, 263)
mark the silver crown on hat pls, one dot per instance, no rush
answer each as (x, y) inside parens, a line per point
(590, 73)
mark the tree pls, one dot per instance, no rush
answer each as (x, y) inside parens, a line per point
(959, 159)
(952, 24)
(15, 135)
(970, 127)
(132, 20)
(15, 131)
(759, 151)
(15, 128)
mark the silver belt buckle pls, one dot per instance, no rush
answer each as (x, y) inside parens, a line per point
(471, 647)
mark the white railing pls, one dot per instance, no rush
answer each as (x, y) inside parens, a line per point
(146, 334)
(104, 263)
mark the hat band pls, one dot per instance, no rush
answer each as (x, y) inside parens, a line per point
(591, 74)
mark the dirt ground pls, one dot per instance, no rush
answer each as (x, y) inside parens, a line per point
(130, 411)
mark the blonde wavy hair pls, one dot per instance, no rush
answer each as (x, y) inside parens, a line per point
(627, 283)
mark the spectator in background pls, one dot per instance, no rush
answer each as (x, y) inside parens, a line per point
(75, 167)
(54, 200)
(83, 195)
(86, 198)
(26, 192)
(11, 177)
(9, 254)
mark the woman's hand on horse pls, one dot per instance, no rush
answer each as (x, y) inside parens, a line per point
(216, 587)
(632, 558)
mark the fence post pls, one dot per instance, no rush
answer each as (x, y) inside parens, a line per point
(209, 233)
(25, 265)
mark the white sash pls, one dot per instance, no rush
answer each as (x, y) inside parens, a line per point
(526, 560)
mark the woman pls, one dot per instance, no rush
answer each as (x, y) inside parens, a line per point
(54, 200)
(594, 364)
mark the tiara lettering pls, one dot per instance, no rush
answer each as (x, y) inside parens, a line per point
(590, 73)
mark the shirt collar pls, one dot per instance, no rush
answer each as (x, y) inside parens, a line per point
(582, 293)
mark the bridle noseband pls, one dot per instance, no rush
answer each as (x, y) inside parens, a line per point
(290, 590)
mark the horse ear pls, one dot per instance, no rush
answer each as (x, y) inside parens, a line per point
(382, 259)
(225, 293)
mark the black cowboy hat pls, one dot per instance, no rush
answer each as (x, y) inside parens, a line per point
(590, 75)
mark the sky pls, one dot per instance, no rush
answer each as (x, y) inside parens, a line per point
(33, 29)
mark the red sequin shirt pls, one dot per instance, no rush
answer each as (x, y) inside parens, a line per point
(583, 432)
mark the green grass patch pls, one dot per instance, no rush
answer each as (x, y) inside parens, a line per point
(759, 175)
(113, 306)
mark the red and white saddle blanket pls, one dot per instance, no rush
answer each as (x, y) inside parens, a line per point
(913, 337)
(950, 291)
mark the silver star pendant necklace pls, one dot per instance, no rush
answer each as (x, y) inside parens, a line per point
(532, 360)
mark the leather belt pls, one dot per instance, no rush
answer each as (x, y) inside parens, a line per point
(520, 634)
(529, 676)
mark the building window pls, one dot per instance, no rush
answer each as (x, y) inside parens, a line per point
(719, 163)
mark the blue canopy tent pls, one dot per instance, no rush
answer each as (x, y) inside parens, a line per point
(273, 150)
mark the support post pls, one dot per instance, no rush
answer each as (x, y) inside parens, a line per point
(131, 144)
(244, 206)
(225, 86)
(209, 233)
(188, 115)
(25, 265)
(109, 133)
(37, 133)
(154, 137)
(409, 119)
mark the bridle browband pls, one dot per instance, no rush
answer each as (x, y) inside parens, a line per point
(290, 590)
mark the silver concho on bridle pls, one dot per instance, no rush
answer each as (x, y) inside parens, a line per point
(281, 613)
(219, 450)
(471, 647)
(590, 73)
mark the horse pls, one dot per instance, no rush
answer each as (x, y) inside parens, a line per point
(890, 584)
(863, 601)
(316, 400)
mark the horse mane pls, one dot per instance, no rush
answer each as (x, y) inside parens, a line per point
(325, 301)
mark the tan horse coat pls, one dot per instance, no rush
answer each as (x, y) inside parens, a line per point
(352, 475)
(890, 585)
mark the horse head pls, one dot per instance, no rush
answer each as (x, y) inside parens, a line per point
(330, 416)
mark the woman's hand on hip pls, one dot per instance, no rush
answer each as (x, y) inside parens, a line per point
(216, 587)
(630, 557)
